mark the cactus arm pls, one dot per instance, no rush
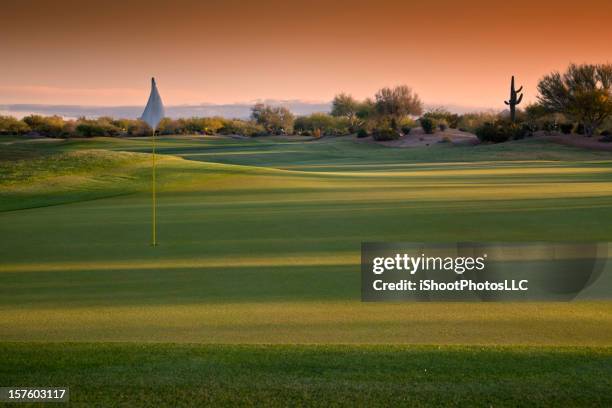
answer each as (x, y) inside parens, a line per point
(519, 99)
(519, 90)
(506, 102)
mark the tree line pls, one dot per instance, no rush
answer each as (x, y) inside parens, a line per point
(576, 101)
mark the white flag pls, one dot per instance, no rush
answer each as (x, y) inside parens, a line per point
(154, 111)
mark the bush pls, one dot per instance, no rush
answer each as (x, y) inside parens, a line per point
(406, 130)
(96, 127)
(242, 128)
(442, 125)
(566, 128)
(328, 125)
(139, 128)
(362, 133)
(441, 115)
(549, 126)
(606, 133)
(385, 134)
(501, 131)
(11, 126)
(428, 125)
(277, 120)
(469, 122)
(580, 129)
(50, 126)
(488, 132)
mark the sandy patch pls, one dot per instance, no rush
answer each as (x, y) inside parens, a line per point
(418, 138)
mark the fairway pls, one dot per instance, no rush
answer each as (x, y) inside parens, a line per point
(279, 376)
(259, 243)
(260, 239)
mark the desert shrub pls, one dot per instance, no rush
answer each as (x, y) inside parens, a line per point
(428, 125)
(540, 118)
(362, 133)
(385, 134)
(277, 120)
(139, 128)
(96, 127)
(406, 130)
(317, 133)
(407, 121)
(212, 125)
(12, 126)
(549, 126)
(197, 125)
(242, 128)
(469, 122)
(488, 132)
(366, 111)
(442, 125)
(327, 124)
(169, 126)
(50, 126)
(580, 129)
(122, 124)
(441, 115)
(566, 128)
(501, 131)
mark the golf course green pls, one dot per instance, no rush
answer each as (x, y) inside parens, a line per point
(258, 266)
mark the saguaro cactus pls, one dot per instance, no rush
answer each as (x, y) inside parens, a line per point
(515, 99)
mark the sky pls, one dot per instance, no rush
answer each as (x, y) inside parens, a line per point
(225, 51)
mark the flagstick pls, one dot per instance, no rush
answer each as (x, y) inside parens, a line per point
(154, 243)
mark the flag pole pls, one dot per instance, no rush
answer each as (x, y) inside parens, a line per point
(154, 199)
(153, 113)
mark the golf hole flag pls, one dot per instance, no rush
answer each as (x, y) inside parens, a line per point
(154, 111)
(152, 115)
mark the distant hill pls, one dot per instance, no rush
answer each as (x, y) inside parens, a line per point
(234, 110)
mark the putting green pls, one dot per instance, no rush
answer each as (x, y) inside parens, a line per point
(260, 238)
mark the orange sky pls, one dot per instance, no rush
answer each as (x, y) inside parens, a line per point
(451, 52)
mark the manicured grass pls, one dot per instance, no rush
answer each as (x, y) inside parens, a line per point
(220, 375)
(259, 243)
(271, 254)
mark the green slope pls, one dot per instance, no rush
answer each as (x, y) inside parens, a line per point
(270, 254)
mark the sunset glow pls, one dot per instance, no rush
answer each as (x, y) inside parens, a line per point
(459, 53)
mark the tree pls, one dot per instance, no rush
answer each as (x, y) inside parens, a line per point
(398, 103)
(275, 119)
(51, 126)
(11, 126)
(583, 93)
(345, 105)
(366, 109)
